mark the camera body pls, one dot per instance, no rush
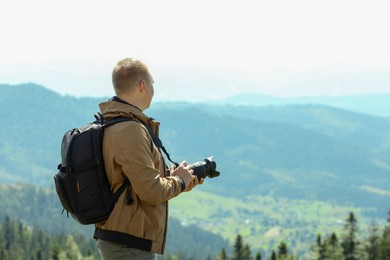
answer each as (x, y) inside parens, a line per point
(205, 168)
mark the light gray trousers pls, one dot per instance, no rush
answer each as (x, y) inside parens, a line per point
(111, 250)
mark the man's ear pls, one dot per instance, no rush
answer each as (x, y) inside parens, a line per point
(142, 86)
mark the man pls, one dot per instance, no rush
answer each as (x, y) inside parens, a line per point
(137, 226)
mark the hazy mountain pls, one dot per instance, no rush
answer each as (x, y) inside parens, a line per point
(332, 83)
(374, 104)
(294, 151)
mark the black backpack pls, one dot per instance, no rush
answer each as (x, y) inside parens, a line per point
(81, 182)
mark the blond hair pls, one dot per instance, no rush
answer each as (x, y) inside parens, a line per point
(127, 74)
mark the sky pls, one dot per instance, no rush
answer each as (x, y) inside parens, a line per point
(215, 48)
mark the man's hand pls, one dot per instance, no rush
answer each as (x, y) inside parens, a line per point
(185, 172)
(193, 183)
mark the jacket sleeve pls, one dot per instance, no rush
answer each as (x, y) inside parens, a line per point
(135, 157)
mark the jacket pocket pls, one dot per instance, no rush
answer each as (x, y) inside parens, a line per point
(136, 225)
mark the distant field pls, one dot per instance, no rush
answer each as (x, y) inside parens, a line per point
(264, 221)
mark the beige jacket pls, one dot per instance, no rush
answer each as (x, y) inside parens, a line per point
(129, 152)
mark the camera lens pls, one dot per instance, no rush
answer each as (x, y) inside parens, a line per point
(205, 168)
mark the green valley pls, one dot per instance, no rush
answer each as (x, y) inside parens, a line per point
(263, 221)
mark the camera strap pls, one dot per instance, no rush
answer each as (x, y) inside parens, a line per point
(158, 143)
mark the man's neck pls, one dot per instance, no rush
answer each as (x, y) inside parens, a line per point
(128, 101)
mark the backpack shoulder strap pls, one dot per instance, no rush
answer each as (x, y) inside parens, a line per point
(125, 184)
(156, 140)
(112, 121)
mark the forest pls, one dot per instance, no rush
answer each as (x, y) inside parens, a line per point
(20, 241)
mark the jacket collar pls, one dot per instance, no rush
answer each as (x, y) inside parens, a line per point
(116, 107)
(117, 99)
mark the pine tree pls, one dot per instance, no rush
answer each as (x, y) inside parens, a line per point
(384, 246)
(8, 232)
(372, 243)
(350, 242)
(13, 244)
(282, 249)
(3, 250)
(238, 248)
(3, 254)
(258, 256)
(333, 240)
(273, 255)
(333, 249)
(246, 252)
(40, 255)
(222, 255)
(55, 252)
(320, 248)
(72, 249)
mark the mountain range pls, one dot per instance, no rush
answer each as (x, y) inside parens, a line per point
(373, 104)
(295, 151)
(288, 171)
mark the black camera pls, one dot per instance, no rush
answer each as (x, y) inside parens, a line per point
(205, 168)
